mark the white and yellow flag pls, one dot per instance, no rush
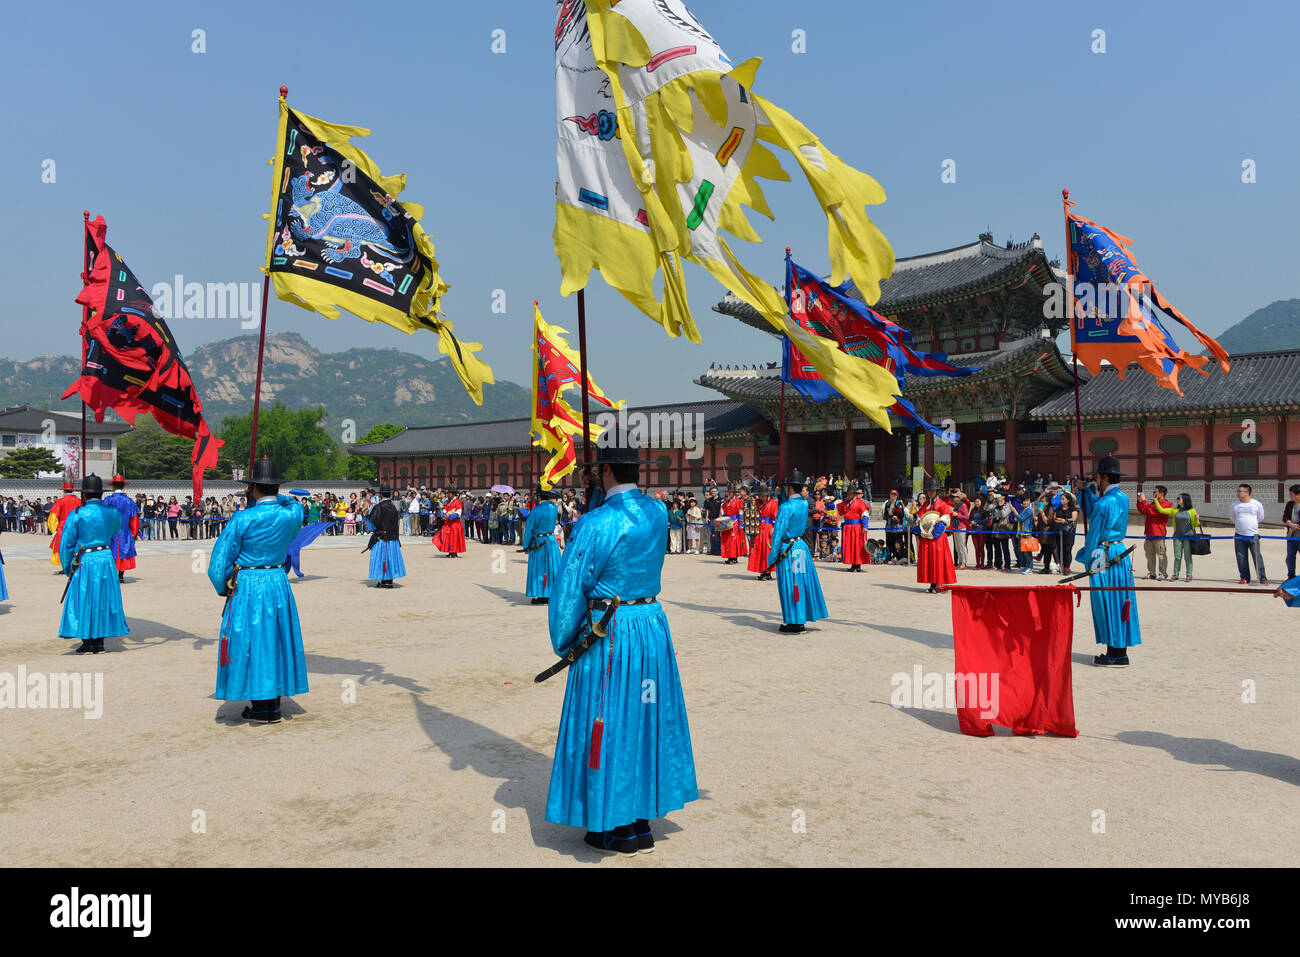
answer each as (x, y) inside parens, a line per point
(660, 143)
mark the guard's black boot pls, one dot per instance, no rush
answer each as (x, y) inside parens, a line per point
(97, 646)
(87, 645)
(539, 601)
(121, 578)
(645, 839)
(265, 711)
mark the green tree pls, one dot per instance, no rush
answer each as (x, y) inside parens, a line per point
(25, 463)
(149, 451)
(296, 440)
(363, 468)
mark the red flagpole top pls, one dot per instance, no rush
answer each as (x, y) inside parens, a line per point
(534, 302)
(1065, 194)
(284, 92)
(85, 214)
(787, 250)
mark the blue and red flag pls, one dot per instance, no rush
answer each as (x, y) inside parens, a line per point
(1117, 310)
(832, 313)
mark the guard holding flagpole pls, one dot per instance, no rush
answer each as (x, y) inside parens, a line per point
(1114, 613)
(539, 543)
(124, 540)
(92, 602)
(623, 755)
(796, 578)
(260, 656)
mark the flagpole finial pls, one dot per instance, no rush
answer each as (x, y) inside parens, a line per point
(284, 92)
(787, 250)
(1065, 194)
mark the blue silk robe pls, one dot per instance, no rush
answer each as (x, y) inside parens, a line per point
(1114, 613)
(124, 541)
(544, 551)
(796, 577)
(260, 655)
(630, 679)
(93, 608)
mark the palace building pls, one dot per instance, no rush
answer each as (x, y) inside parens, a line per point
(986, 306)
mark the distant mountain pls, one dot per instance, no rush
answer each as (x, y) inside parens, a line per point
(369, 386)
(1276, 326)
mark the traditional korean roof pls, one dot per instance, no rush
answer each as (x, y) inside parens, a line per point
(721, 417)
(1041, 353)
(1256, 381)
(27, 418)
(941, 277)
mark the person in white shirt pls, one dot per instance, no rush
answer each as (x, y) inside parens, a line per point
(1246, 516)
(413, 515)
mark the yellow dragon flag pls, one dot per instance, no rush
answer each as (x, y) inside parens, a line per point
(660, 143)
(556, 367)
(338, 237)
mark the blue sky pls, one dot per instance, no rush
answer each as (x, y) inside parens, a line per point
(170, 146)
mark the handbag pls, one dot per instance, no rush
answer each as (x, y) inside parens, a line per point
(1029, 544)
(1199, 543)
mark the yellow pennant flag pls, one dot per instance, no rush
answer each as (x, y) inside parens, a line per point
(660, 148)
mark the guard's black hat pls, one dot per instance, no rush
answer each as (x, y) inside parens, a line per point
(1109, 465)
(613, 449)
(545, 492)
(92, 485)
(385, 491)
(795, 478)
(265, 472)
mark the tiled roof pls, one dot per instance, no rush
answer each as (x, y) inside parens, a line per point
(721, 417)
(766, 383)
(953, 272)
(27, 418)
(934, 277)
(1255, 381)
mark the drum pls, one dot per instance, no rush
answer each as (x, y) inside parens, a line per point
(724, 522)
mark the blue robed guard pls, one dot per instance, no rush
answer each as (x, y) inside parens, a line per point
(623, 755)
(260, 657)
(796, 577)
(385, 546)
(92, 605)
(1114, 613)
(124, 541)
(542, 548)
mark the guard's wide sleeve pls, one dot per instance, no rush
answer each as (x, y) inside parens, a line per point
(778, 533)
(221, 565)
(580, 567)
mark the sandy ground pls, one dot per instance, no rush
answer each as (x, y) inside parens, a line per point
(445, 756)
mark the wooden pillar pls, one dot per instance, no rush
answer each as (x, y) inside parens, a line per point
(1209, 455)
(929, 456)
(1142, 454)
(850, 451)
(1010, 434)
(1282, 470)
(914, 453)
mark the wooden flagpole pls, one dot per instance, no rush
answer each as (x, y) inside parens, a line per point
(582, 362)
(85, 317)
(261, 347)
(1074, 355)
(785, 346)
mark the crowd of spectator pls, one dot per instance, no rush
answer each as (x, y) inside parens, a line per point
(1005, 525)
